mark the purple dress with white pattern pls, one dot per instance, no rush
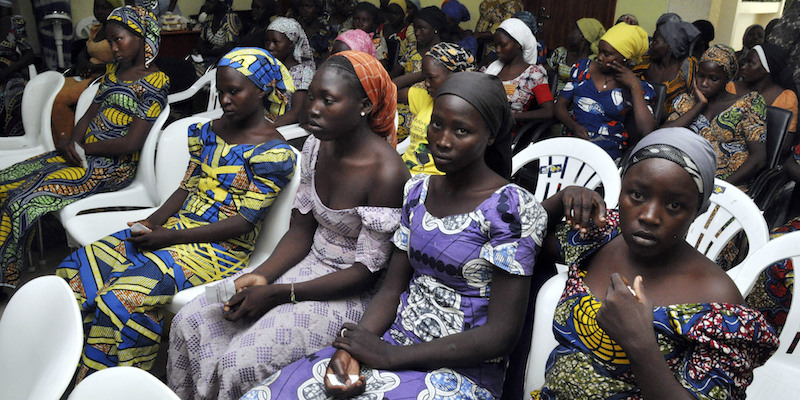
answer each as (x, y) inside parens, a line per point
(211, 357)
(453, 259)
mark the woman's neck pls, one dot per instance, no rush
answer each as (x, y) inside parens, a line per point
(353, 143)
(760, 85)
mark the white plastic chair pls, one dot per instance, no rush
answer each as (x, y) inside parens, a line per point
(141, 192)
(41, 338)
(731, 211)
(208, 79)
(403, 146)
(37, 107)
(172, 158)
(570, 162)
(292, 131)
(778, 377)
(542, 339)
(122, 383)
(275, 225)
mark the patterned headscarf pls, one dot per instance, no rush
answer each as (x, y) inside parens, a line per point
(592, 30)
(724, 56)
(629, 40)
(455, 10)
(452, 56)
(144, 24)
(357, 40)
(629, 19)
(680, 36)
(529, 19)
(292, 30)
(380, 91)
(689, 150)
(265, 71)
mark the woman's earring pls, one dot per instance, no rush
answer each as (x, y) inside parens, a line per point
(436, 32)
(363, 114)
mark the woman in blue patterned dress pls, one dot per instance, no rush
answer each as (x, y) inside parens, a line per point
(204, 231)
(452, 304)
(113, 130)
(687, 334)
(603, 93)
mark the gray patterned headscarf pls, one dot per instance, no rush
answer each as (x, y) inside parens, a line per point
(292, 29)
(689, 150)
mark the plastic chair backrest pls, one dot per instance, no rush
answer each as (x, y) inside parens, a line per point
(210, 79)
(85, 100)
(122, 383)
(777, 378)
(778, 121)
(570, 162)
(41, 339)
(37, 109)
(661, 97)
(542, 339)
(276, 222)
(172, 156)
(730, 212)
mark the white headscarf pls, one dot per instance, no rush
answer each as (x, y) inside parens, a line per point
(523, 35)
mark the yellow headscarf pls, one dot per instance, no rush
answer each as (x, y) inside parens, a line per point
(629, 40)
(592, 30)
(401, 3)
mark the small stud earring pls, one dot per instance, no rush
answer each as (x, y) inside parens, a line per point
(363, 113)
(436, 32)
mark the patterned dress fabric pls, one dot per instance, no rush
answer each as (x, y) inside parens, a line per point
(492, 13)
(453, 259)
(46, 183)
(322, 40)
(744, 121)
(411, 62)
(228, 32)
(602, 113)
(787, 100)
(210, 357)
(558, 61)
(772, 293)
(121, 289)
(682, 83)
(531, 83)
(711, 348)
(12, 87)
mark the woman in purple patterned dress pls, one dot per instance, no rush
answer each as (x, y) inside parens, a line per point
(452, 305)
(323, 270)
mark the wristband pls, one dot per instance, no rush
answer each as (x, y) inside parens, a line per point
(292, 297)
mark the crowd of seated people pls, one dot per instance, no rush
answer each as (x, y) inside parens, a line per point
(409, 275)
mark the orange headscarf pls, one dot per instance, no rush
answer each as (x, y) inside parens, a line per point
(381, 91)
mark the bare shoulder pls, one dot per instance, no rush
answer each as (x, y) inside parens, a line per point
(388, 177)
(712, 283)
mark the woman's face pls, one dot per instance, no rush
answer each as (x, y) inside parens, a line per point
(606, 56)
(259, 10)
(425, 32)
(575, 38)
(659, 49)
(506, 47)
(752, 70)
(457, 134)
(363, 20)
(307, 10)
(658, 202)
(101, 10)
(238, 96)
(752, 37)
(710, 79)
(395, 16)
(278, 45)
(125, 46)
(339, 46)
(333, 107)
(434, 74)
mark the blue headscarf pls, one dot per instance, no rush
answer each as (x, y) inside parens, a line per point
(265, 71)
(455, 10)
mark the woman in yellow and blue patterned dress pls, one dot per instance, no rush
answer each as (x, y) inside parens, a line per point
(205, 231)
(113, 130)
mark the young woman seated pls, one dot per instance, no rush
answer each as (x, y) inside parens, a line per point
(522, 78)
(644, 315)
(286, 41)
(323, 271)
(734, 124)
(204, 231)
(130, 98)
(605, 95)
(441, 61)
(453, 302)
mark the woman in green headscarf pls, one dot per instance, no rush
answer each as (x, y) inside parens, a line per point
(581, 43)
